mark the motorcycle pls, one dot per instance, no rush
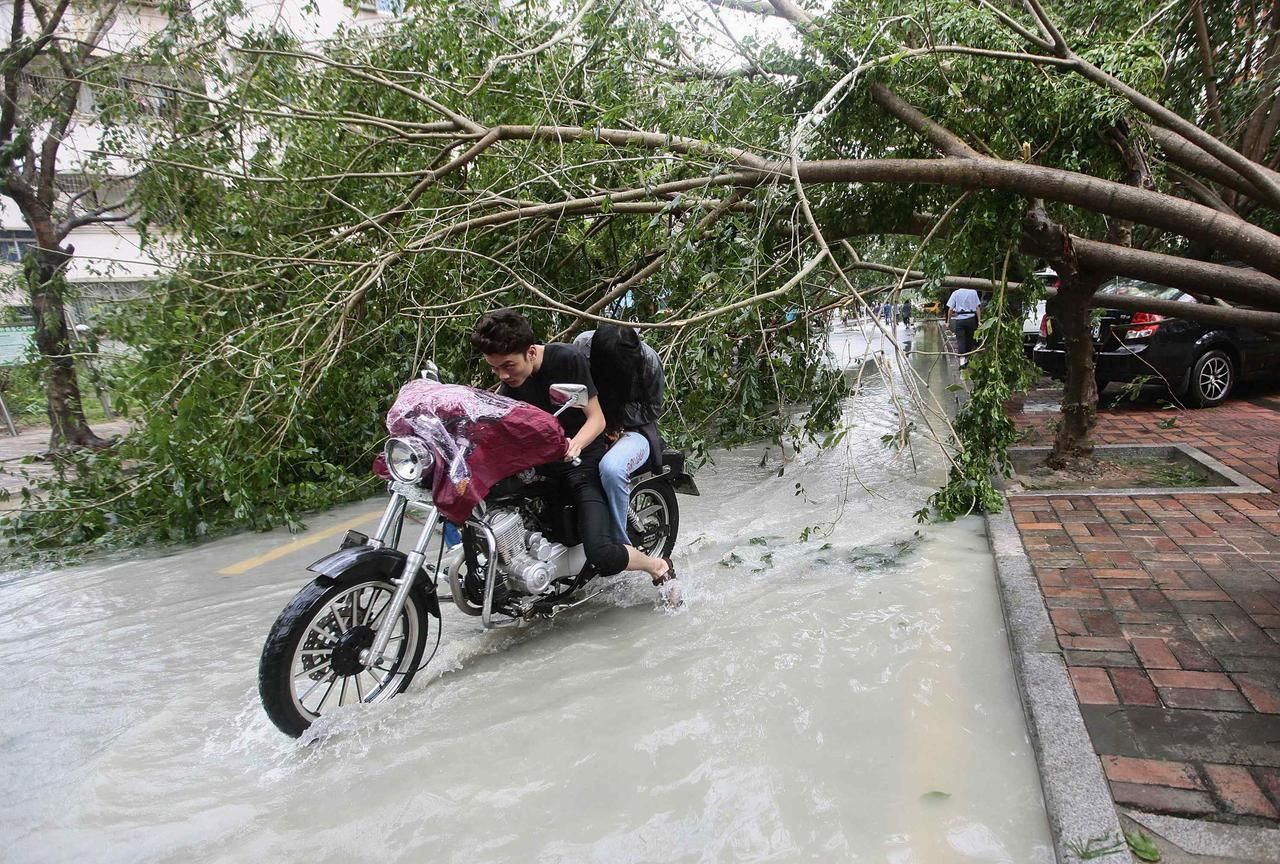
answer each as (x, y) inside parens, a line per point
(358, 632)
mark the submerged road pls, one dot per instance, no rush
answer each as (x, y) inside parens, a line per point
(838, 688)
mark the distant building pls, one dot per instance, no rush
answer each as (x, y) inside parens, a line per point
(110, 264)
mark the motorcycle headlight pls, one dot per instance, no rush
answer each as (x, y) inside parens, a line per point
(407, 459)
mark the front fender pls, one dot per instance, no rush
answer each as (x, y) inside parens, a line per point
(359, 562)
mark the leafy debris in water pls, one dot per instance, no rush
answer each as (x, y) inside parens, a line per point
(883, 555)
(1142, 846)
(733, 559)
(935, 795)
(758, 541)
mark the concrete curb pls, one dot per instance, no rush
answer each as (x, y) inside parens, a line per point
(1077, 799)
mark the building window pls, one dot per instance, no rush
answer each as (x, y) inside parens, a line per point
(390, 7)
(14, 243)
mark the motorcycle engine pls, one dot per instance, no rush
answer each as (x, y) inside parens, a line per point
(529, 561)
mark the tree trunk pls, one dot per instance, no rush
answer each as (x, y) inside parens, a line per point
(46, 283)
(1046, 239)
(1074, 439)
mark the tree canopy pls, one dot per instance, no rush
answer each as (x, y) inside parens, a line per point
(349, 210)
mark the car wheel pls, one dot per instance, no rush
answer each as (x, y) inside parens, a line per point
(1212, 378)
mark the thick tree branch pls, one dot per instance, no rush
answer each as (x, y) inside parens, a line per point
(1238, 284)
(1252, 171)
(944, 139)
(1266, 322)
(1191, 158)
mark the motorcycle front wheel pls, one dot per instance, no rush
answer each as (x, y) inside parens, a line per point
(311, 660)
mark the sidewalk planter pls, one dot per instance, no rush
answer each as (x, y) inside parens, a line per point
(1222, 479)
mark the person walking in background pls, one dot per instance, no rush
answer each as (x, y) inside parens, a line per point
(904, 312)
(962, 317)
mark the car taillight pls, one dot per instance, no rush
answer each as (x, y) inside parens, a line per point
(1143, 324)
(1044, 326)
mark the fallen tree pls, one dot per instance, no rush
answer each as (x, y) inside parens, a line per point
(351, 209)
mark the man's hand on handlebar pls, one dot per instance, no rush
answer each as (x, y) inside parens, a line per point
(572, 450)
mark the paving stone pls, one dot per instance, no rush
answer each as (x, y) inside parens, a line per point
(1110, 659)
(1192, 680)
(1092, 686)
(1155, 654)
(1126, 769)
(1143, 732)
(1262, 694)
(1094, 643)
(1162, 799)
(1205, 700)
(1133, 687)
(1101, 623)
(1239, 791)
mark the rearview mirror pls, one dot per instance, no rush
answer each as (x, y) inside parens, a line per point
(569, 396)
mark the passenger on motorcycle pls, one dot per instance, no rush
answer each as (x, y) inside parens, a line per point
(629, 376)
(527, 370)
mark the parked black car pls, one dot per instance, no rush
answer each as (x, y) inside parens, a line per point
(1200, 363)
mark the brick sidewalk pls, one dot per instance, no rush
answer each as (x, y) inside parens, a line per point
(1167, 610)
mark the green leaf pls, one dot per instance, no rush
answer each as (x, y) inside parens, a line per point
(1142, 845)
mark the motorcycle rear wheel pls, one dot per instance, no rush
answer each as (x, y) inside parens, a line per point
(310, 662)
(654, 502)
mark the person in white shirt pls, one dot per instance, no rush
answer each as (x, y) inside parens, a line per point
(962, 317)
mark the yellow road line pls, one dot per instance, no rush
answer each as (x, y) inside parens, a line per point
(301, 543)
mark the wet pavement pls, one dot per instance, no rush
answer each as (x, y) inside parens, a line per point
(838, 687)
(1166, 608)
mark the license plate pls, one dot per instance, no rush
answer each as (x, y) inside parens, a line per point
(1097, 329)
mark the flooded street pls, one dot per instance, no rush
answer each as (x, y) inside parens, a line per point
(843, 697)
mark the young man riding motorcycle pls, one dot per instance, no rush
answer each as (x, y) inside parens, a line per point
(527, 370)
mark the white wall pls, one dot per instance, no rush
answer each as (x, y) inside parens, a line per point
(113, 252)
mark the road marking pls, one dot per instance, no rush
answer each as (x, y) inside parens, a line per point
(310, 539)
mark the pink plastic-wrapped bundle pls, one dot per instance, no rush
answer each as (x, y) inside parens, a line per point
(477, 438)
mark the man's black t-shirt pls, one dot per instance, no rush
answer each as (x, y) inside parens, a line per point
(561, 364)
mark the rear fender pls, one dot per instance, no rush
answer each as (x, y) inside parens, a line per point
(360, 562)
(679, 480)
(683, 483)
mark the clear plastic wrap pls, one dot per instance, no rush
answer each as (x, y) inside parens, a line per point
(477, 438)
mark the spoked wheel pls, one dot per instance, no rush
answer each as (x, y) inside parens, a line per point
(1212, 378)
(654, 519)
(311, 661)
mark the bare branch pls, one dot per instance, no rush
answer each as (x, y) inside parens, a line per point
(560, 36)
(359, 71)
(1013, 25)
(1207, 66)
(655, 264)
(755, 7)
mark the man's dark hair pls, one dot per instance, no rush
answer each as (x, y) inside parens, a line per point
(502, 331)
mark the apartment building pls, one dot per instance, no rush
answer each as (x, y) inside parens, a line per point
(111, 263)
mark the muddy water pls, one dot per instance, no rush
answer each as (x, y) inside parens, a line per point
(845, 697)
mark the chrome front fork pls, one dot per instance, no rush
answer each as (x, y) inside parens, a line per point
(372, 655)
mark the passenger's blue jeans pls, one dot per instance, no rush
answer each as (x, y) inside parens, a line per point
(626, 455)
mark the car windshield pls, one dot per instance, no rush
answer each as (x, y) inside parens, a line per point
(1135, 288)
